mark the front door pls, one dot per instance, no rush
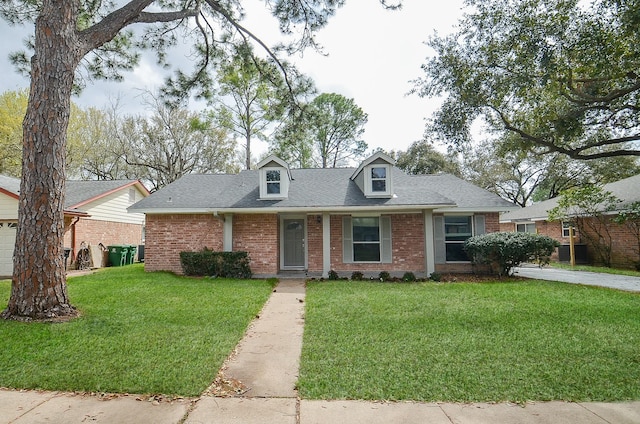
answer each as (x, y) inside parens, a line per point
(293, 243)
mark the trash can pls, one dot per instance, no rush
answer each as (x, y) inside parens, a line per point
(580, 251)
(118, 255)
(131, 254)
(141, 253)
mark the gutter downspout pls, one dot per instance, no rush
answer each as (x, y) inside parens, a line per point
(74, 221)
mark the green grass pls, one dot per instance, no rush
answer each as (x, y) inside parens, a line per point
(600, 269)
(147, 333)
(505, 341)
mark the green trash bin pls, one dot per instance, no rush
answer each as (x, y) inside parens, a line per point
(131, 254)
(118, 255)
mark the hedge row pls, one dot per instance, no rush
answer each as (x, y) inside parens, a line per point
(216, 264)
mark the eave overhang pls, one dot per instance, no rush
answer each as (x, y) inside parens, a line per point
(293, 209)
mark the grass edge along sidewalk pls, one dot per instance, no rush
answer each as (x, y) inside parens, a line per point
(461, 342)
(146, 333)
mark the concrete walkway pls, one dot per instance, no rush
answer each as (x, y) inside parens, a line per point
(263, 371)
(620, 282)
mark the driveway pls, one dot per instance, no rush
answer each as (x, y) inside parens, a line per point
(620, 282)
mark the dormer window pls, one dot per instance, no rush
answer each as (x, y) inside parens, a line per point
(274, 178)
(373, 176)
(379, 179)
(273, 181)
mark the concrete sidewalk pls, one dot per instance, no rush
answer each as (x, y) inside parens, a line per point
(265, 368)
(619, 282)
(33, 407)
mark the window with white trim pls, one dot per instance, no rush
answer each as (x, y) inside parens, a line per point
(528, 227)
(366, 239)
(378, 180)
(273, 181)
(566, 226)
(457, 229)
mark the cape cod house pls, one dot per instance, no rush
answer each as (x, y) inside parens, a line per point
(367, 219)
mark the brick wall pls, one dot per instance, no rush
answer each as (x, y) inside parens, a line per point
(407, 241)
(314, 243)
(258, 235)
(94, 232)
(507, 227)
(624, 246)
(492, 222)
(168, 235)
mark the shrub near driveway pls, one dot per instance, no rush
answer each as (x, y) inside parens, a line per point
(147, 333)
(461, 342)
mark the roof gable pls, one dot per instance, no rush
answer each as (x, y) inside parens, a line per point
(274, 178)
(379, 157)
(10, 186)
(79, 193)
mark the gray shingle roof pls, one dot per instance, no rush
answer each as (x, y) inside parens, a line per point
(10, 184)
(80, 191)
(324, 189)
(627, 190)
(76, 192)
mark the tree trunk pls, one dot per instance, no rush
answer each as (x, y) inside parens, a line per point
(39, 289)
(248, 151)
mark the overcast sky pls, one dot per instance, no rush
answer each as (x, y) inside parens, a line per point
(372, 55)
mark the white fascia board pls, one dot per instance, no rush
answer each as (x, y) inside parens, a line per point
(165, 211)
(303, 209)
(334, 209)
(475, 210)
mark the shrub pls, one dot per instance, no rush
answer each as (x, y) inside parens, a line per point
(435, 276)
(357, 276)
(504, 251)
(217, 264)
(333, 275)
(384, 276)
(409, 277)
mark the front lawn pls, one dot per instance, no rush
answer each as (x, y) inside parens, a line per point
(462, 342)
(148, 333)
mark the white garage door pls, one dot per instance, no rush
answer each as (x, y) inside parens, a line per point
(7, 244)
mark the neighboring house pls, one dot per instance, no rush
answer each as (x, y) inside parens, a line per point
(368, 219)
(95, 212)
(534, 218)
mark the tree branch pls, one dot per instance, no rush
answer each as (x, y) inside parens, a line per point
(243, 31)
(132, 12)
(574, 153)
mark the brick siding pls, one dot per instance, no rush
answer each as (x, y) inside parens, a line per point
(624, 245)
(492, 222)
(407, 242)
(314, 243)
(168, 235)
(259, 234)
(94, 232)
